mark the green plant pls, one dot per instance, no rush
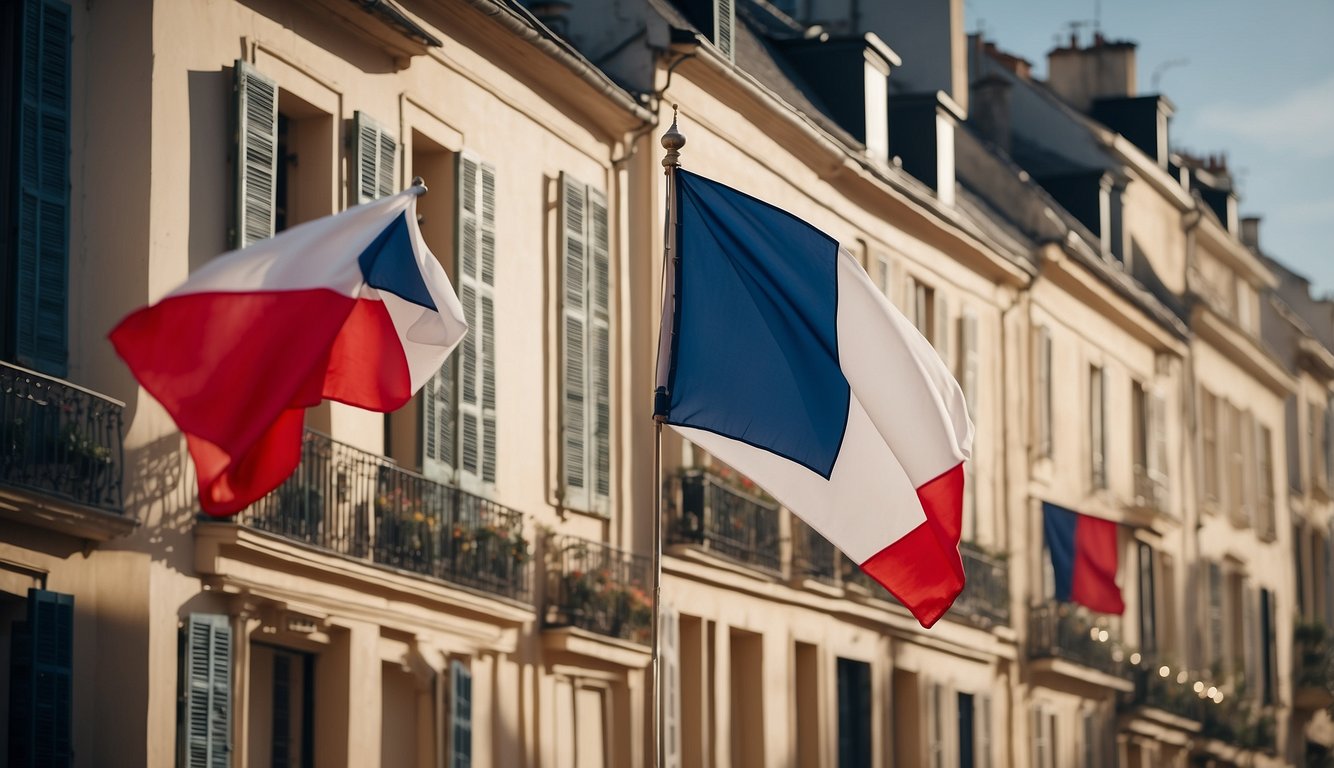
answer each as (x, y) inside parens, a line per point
(622, 609)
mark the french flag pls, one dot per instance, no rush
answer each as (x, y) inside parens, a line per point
(784, 361)
(352, 307)
(1083, 558)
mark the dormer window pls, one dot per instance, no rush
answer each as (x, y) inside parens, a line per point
(717, 20)
(851, 76)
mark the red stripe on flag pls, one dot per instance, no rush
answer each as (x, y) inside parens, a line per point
(923, 569)
(1093, 578)
(236, 371)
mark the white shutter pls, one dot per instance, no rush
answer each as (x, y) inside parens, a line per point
(935, 725)
(1097, 426)
(439, 436)
(574, 344)
(725, 27)
(374, 165)
(256, 155)
(1158, 450)
(910, 303)
(1327, 467)
(477, 353)
(1044, 399)
(670, 657)
(982, 732)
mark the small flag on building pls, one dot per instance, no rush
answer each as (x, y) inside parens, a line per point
(1083, 558)
(351, 307)
(786, 363)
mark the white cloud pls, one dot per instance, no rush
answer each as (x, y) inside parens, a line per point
(1300, 121)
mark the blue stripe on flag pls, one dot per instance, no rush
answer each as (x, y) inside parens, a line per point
(1058, 527)
(389, 264)
(755, 356)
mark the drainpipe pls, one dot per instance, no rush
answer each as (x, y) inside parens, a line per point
(1190, 220)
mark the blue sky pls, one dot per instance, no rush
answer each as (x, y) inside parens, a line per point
(1252, 79)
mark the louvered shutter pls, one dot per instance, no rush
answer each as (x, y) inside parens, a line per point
(599, 350)
(1213, 607)
(1157, 458)
(1246, 515)
(477, 353)
(1268, 666)
(41, 205)
(982, 727)
(1044, 404)
(725, 26)
(940, 327)
(41, 682)
(574, 338)
(671, 687)
(910, 303)
(1251, 637)
(207, 724)
(935, 725)
(256, 155)
(968, 376)
(460, 713)
(1327, 467)
(376, 161)
(1097, 426)
(1327, 575)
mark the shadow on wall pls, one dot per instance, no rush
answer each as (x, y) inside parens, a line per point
(160, 494)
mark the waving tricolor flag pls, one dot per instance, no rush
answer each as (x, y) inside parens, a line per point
(785, 362)
(352, 307)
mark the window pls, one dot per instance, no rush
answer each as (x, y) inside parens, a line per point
(1209, 436)
(1268, 649)
(459, 754)
(206, 698)
(1097, 427)
(41, 681)
(459, 414)
(34, 238)
(1148, 616)
(585, 353)
(927, 311)
(967, 733)
(854, 714)
(1043, 406)
(282, 707)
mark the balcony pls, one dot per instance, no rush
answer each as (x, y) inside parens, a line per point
(813, 557)
(358, 504)
(1158, 687)
(1314, 672)
(985, 600)
(704, 511)
(599, 588)
(60, 440)
(1064, 634)
(1150, 492)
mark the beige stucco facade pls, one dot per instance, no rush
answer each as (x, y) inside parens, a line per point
(504, 615)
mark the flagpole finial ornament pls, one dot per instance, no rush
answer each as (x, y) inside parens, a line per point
(418, 186)
(672, 141)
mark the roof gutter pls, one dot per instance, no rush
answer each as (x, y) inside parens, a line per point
(525, 26)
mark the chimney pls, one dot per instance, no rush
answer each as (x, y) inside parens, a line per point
(1105, 69)
(1250, 232)
(991, 110)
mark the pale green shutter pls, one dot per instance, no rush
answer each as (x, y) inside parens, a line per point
(574, 342)
(460, 712)
(375, 161)
(42, 140)
(207, 716)
(486, 288)
(41, 682)
(256, 155)
(599, 352)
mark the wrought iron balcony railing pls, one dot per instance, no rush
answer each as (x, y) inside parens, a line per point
(60, 439)
(985, 599)
(813, 557)
(1063, 631)
(743, 527)
(599, 588)
(1158, 686)
(362, 505)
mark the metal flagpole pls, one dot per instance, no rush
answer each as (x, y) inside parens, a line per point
(672, 141)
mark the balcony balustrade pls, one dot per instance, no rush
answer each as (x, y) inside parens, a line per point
(60, 439)
(813, 556)
(599, 588)
(985, 599)
(704, 511)
(1156, 690)
(1062, 631)
(362, 505)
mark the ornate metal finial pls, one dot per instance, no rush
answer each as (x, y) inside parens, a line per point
(672, 141)
(418, 186)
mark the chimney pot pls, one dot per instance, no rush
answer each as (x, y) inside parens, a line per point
(1250, 232)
